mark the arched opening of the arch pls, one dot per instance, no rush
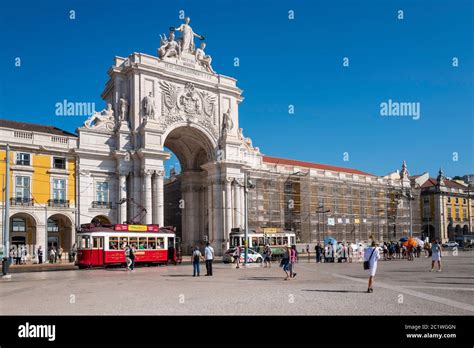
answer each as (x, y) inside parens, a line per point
(186, 196)
(60, 234)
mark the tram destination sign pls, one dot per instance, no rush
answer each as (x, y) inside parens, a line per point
(137, 228)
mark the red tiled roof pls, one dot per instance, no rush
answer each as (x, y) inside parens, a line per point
(449, 183)
(29, 127)
(284, 161)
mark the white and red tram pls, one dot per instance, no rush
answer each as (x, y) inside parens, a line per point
(104, 245)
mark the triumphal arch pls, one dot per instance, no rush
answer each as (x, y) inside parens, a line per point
(173, 100)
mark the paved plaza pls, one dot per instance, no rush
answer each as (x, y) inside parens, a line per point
(401, 288)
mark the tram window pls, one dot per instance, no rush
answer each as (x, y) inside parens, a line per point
(151, 243)
(280, 241)
(142, 243)
(261, 241)
(254, 241)
(161, 243)
(85, 242)
(285, 240)
(134, 241)
(170, 242)
(292, 240)
(123, 241)
(272, 241)
(113, 243)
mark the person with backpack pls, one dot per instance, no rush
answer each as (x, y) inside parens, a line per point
(435, 255)
(196, 260)
(371, 256)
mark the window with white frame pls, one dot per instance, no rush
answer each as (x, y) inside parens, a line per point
(22, 187)
(102, 191)
(18, 225)
(23, 159)
(59, 189)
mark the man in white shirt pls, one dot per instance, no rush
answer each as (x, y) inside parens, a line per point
(209, 256)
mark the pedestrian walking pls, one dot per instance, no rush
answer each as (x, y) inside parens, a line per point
(23, 253)
(17, 255)
(196, 260)
(318, 249)
(267, 256)
(435, 255)
(133, 248)
(73, 253)
(52, 255)
(293, 258)
(40, 255)
(209, 256)
(236, 255)
(128, 258)
(349, 252)
(60, 253)
(371, 256)
(285, 261)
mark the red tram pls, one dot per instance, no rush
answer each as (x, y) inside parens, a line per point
(104, 245)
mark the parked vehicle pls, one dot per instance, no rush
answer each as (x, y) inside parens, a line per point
(253, 256)
(450, 244)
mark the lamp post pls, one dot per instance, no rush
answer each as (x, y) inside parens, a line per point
(321, 210)
(378, 220)
(248, 184)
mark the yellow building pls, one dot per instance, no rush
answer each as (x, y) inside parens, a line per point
(42, 185)
(446, 209)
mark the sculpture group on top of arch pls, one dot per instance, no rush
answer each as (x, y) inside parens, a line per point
(170, 47)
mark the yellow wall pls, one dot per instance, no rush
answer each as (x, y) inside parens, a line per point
(41, 179)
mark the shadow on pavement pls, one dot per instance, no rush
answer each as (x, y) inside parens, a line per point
(263, 278)
(348, 291)
(177, 275)
(450, 283)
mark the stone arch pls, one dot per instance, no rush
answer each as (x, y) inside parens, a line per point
(458, 231)
(101, 219)
(194, 147)
(192, 144)
(60, 232)
(23, 228)
(450, 231)
(465, 230)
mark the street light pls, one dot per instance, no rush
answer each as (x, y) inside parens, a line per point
(248, 184)
(322, 211)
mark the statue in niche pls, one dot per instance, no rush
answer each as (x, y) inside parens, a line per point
(123, 109)
(103, 119)
(203, 59)
(169, 47)
(227, 124)
(149, 106)
(187, 38)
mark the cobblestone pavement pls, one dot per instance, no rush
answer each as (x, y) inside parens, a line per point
(401, 288)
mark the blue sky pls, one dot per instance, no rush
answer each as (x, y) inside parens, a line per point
(282, 62)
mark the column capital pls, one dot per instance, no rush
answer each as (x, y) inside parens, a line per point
(160, 172)
(147, 172)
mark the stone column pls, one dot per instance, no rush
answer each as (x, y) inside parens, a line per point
(137, 189)
(210, 215)
(160, 206)
(237, 209)
(242, 205)
(122, 196)
(147, 196)
(228, 208)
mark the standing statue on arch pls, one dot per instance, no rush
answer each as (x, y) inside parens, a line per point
(187, 38)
